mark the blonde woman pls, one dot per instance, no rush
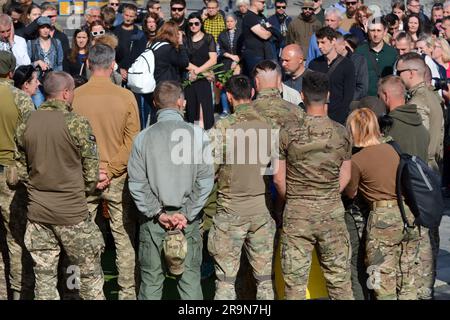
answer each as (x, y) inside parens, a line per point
(390, 246)
(441, 53)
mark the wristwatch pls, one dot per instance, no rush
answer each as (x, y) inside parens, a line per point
(160, 212)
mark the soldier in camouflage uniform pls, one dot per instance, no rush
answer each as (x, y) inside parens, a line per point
(429, 106)
(58, 215)
(314, 167)
(14, 106)
(243, 203)
(243, 219)
(391, 246)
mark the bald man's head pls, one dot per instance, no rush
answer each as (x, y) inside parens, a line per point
(267, 75)
(292, 60)
(392, 91)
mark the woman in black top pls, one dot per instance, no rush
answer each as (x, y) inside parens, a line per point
(75, 62)
(227, 44)
(202, 55)
(170, 60)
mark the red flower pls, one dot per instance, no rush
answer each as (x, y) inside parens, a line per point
(219, 85)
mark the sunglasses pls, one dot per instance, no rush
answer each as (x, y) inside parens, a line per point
(53, 16)
(177, 9)
(399, 72)
(194, 24)
(351, 3)
(281, 7)
(98, 33)
(114, 4)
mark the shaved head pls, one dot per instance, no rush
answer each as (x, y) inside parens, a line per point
(56, 82)
(392, 85)
(267, 75)
(392, 91)
(293, 49)
(413, 61)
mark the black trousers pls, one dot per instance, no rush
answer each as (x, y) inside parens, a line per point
(198, 94)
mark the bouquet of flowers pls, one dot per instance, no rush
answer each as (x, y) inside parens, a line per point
(215, 72)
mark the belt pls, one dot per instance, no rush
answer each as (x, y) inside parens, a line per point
(384, 204)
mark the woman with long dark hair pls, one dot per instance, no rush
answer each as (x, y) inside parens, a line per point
(413, 26)
(202, 56)
(150, 26)
(46, 54)
(75, 62)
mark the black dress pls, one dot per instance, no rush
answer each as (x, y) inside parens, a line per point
(199, 92)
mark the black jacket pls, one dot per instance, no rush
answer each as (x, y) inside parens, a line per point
(74, 68)
(361, 75)
(225, 47)
(128, 50)
(342, 86)
(170, 63)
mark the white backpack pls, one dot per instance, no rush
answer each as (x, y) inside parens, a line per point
(141, 77)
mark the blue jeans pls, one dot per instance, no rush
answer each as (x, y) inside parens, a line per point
(39, 97)
(224, 102)
(143, 108)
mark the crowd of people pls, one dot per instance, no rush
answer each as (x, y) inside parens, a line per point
(336, 87)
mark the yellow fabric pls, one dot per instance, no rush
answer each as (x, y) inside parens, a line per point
(316, 284)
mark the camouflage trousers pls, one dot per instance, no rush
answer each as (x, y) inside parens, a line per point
(123, 228)
(426, 262)
(391, 251)
(227, 237)
(13, 204)
(83, 244)
(153, 267)
(309, 224)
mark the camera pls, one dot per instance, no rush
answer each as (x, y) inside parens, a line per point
(441, 84)
(265, 24)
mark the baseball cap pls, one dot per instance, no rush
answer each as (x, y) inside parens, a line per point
(44, 21)
(308, 4)
(175, 250)
(7, 62)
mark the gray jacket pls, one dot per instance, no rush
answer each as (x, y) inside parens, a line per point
(361, 75)
(167, 167)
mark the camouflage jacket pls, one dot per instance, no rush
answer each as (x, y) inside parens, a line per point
(314, 154)
(270, 105)
(430, 109)
(24, 106)
(242, 145)
(80, 131)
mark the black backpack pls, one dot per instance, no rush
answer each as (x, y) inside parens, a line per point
(420, 186)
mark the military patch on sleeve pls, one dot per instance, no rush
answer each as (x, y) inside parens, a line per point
(92, 138)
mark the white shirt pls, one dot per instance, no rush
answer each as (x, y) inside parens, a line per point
(19, 50)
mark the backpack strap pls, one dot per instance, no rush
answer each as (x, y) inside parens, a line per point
(398, 183)
(335, 65)
(155, 46)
